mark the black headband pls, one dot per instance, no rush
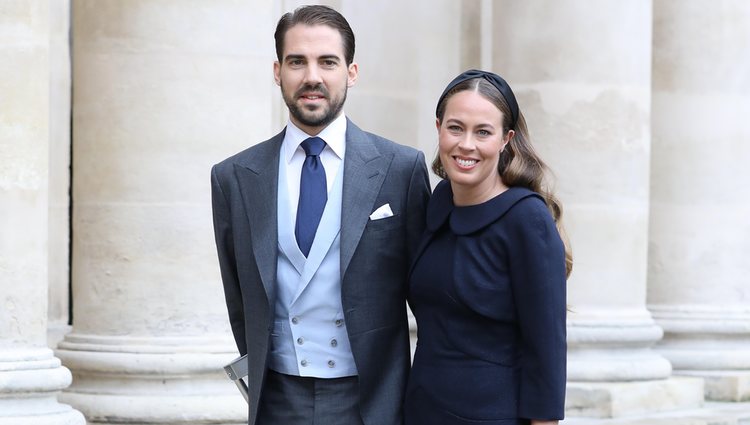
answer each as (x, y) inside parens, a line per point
(493, 79)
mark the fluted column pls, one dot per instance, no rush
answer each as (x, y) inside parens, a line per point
(162, 90)
(699, 290)
(581, 71)
(30, 375)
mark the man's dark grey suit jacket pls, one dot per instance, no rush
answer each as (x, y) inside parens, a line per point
(375, 259)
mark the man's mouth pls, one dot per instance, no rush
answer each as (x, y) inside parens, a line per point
(311, 93)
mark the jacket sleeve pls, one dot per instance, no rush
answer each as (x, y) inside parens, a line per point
(537, 270)
(227, 260)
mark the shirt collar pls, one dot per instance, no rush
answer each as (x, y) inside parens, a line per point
(334, 135)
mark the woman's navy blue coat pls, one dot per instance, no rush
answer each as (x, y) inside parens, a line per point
(488, 291)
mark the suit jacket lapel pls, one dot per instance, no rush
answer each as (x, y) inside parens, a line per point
(258, 176)
(365, 169)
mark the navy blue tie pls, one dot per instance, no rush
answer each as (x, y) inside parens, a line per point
(313, 194)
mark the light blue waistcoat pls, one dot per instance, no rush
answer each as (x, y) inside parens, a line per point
(309, 336)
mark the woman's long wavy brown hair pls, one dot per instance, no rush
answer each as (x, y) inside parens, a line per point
(519, 164)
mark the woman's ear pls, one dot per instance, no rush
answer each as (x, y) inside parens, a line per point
(507, 139)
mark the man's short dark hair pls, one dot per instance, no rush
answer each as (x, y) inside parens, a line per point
(315, 15)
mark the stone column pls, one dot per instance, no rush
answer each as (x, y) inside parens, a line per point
(699, 290)
(403, 70)
(59, 171)
(581, 72)
(30, 375)
(163, 89)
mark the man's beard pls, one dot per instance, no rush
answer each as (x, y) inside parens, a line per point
(308, 118)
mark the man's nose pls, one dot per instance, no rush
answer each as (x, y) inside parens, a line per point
(312, 75)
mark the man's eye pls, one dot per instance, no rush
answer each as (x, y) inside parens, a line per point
(454, 128)
(329, 63)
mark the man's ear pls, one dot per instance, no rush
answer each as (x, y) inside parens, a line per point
(353, 74)
(277, 72)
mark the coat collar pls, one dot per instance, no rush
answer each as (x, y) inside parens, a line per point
(470, 219)
(365, 169)
(465, 220)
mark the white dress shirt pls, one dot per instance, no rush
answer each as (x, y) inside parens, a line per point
(332, 156)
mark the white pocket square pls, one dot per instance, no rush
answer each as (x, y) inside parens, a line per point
(384, 211)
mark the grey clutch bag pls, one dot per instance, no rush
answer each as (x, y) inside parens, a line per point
(237, 372)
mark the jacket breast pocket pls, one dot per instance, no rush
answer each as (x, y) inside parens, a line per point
(384, 224)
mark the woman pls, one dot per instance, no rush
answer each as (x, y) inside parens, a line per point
(488, 284)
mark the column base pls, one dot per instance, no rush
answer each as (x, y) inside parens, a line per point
(617, 399)
(160, 409)
(710, 414)
(614, 346)
(152, 380)
(730, 385)
(69, 417)
(30, 380)
(710, 342)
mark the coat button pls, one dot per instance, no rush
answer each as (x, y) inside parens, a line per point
(300, 340)
(303, 363)
(331, 363)
(295, 320)
(339, 322)
(334, 342)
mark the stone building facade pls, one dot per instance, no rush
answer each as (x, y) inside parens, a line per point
(113, 111)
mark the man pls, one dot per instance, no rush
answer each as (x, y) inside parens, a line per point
(315, 228)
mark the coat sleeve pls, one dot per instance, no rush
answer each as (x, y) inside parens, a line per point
(537, 269)
(227, 260)
(416, 204)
